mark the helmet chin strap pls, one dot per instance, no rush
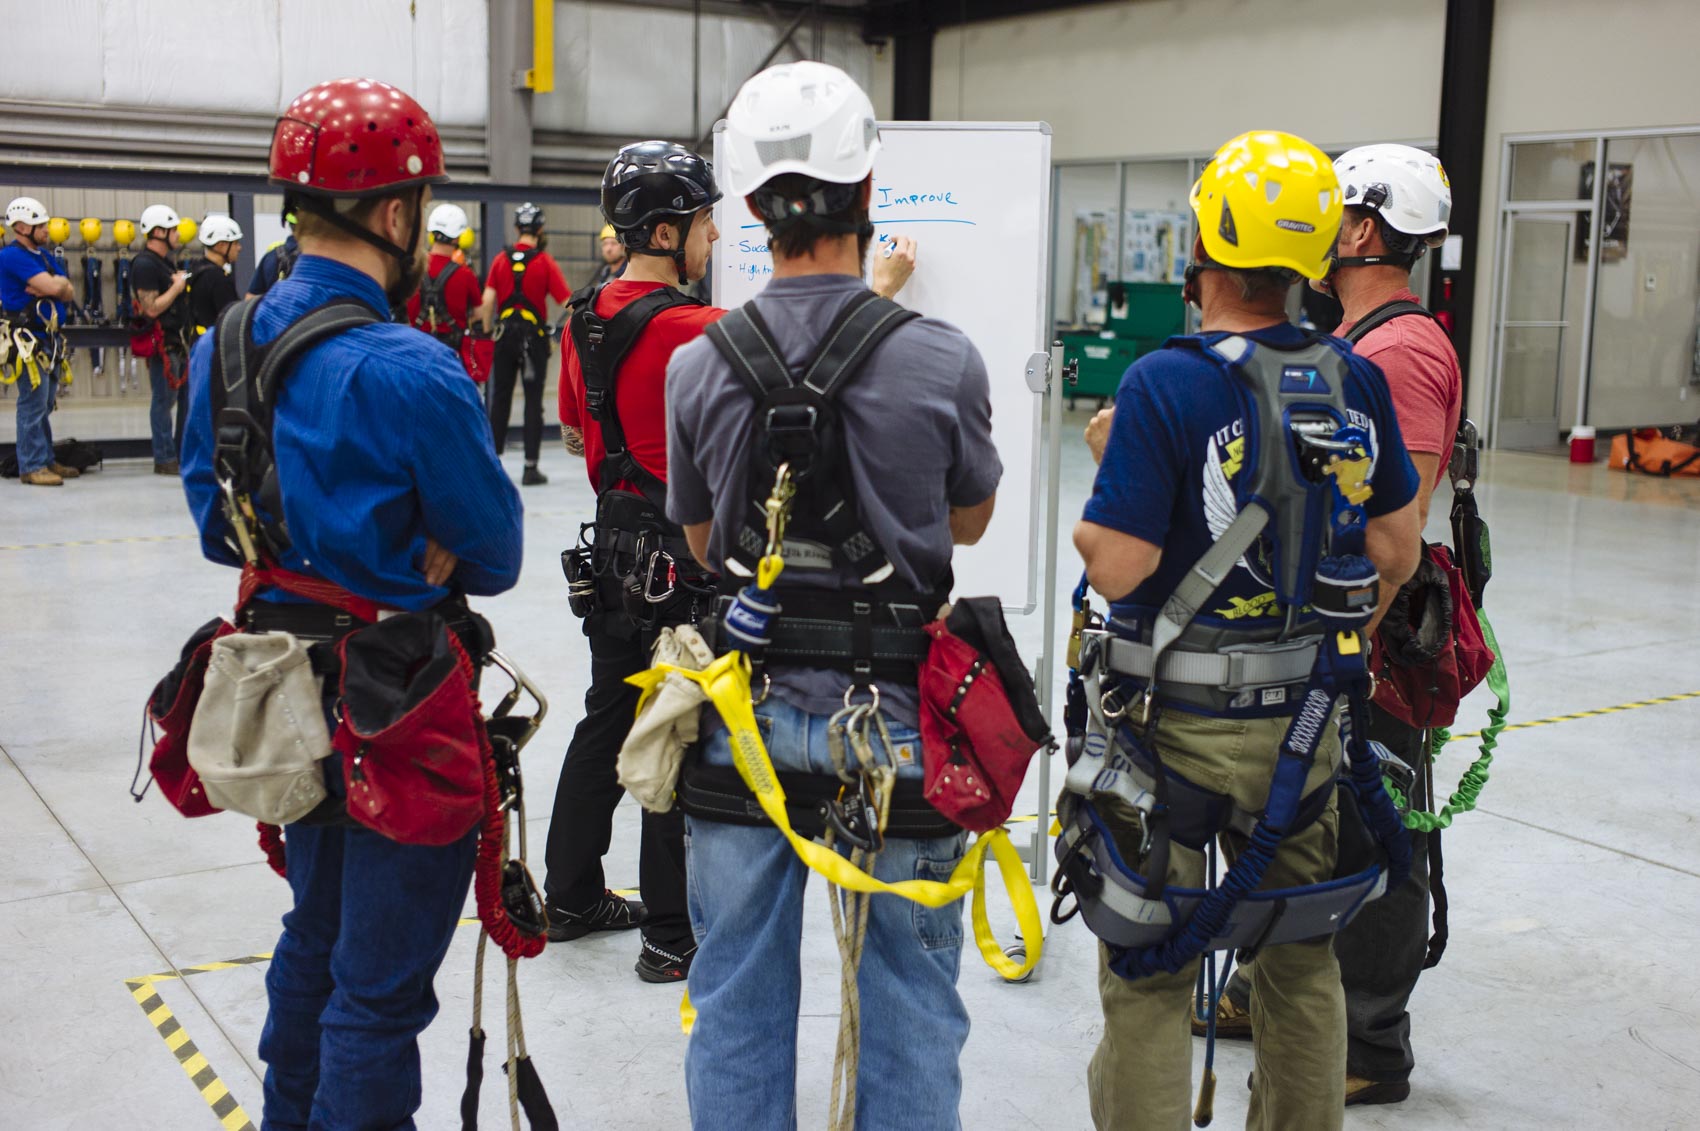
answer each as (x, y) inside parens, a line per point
(678, 255)
(325, 208)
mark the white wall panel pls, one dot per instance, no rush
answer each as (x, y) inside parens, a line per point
(53, 75)
(153, 55)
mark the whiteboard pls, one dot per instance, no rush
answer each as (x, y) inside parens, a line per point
(975, 196)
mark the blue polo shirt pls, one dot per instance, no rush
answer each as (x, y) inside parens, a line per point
(380, 440)
(18, 265)
(1175, 457)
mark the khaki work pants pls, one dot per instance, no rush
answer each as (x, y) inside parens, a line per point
(1140, 1078)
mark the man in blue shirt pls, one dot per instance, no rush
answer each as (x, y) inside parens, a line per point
(33, 294)
(278, 261)
(1172, 452)
(391, 490)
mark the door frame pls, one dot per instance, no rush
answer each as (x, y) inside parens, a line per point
(1515, 431)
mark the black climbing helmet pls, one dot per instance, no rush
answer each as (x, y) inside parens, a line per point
(650, 181)
(528, 218)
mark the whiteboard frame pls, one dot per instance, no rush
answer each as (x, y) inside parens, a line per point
(1038, 488)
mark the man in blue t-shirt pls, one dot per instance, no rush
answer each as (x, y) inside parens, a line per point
(33, 294)
(278, 261)
(1172, 452)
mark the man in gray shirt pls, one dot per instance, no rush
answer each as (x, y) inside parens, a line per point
(915, 418)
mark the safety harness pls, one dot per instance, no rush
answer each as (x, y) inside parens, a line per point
(517, 308)
(631, 563)
(435, 317)
(32, 346)
(1300, 500)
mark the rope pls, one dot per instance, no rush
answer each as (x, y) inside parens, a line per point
(516, 1042)
(1470, 785)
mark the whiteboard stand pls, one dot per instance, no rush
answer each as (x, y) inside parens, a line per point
(982, 190)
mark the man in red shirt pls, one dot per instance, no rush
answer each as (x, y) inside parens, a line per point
(449, 295)
(1398, 203)
(523, 278)
(657, 196)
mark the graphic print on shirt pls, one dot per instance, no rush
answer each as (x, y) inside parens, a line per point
(1224, 460)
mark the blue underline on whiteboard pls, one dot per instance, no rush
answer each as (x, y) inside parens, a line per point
(882, 223)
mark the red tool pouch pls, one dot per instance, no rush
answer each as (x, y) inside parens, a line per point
(147, 341)
(1430, 650)
(409, 732)
(980, 717)
(170, 708)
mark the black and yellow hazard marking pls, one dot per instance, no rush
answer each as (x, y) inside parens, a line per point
(102, 542)
(190, 1058)
(1594, 714)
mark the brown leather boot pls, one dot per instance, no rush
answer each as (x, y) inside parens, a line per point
(62, 471)
(1232, 1022)
(42, 477)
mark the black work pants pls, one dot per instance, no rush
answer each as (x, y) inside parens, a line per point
(518, 348)
(583, 821)
(1382, 951)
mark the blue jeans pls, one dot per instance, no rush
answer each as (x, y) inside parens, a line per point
(35, 434)
(745, 889)
(167, 439)
(350, 982)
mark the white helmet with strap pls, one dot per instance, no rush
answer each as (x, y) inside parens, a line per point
(808, 118)
(218, 228)
(26, 210)
(157, 216)
(1405, 187)
(448, 221)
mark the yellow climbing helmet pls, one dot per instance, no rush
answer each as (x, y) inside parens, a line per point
(59, 229)
(186, 229)
(123, 232)
(608, 233)
(90, 227)
(465, 239)
(1269, 199)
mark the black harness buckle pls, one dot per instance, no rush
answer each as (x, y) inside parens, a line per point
(853, 818)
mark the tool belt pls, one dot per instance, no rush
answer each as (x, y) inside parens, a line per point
(633, 571)
(868, 636)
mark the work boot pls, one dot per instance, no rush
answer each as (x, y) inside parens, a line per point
(42, 477)
(1233, 1021)
(62, 471)
(659, 966)
(532, 477)
(1361, 1092)
(608, 913)
(169, 467)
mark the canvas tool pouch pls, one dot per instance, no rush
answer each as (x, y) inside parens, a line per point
(259, 731)
(667, 719)
(409, 732)
(171, 708)
(980, 717)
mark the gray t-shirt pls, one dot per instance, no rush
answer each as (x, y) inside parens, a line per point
(917, 423)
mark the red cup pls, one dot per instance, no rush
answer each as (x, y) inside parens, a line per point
(1582, 445)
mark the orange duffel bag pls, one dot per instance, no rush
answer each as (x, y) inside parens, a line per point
(1651, 452)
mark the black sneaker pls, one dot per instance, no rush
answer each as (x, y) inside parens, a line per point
(660, 966)
(608, 913)
(532, 477)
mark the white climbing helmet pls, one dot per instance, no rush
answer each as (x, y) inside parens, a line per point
(1404, 185)
(809, 118)
(26, 210)
(157, 216)
(448, 221)
(218, 228)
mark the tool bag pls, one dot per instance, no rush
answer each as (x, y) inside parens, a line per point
(1651, 451)
(980, 718)
(170, 708)
(409, 730)
(1430, 649)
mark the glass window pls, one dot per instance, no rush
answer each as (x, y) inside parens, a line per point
(1156, 222)
(1087, 237)
(1646, 367)
(1551, 170)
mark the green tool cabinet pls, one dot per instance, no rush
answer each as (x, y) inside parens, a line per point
(1151, 313)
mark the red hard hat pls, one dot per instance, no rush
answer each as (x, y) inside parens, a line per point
(355, 137)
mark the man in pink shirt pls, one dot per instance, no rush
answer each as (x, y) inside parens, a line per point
(1398, 203)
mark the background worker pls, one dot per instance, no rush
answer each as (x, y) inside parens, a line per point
(523, 278)
(1167, 453)
(277, 262)
(916, 420)
(613, 257)
(396, 497)
(212, 278)
(449, 294)
(162, 312)
(33, 294)
(659, 196)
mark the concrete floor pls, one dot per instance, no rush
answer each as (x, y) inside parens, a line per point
(1568, 998)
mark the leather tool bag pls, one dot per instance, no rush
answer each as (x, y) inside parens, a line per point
(259, 732)
(170, 709)
(1430, 649)
(412, 741)
(980, 717)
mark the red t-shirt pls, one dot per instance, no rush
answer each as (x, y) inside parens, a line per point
(540, 281)
(1423, 376)
(460, 294)
(640, 386)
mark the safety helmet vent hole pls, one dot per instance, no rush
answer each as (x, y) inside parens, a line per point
(1271, 191)
(786, 149)
(1322, 199)
(1251, 178)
